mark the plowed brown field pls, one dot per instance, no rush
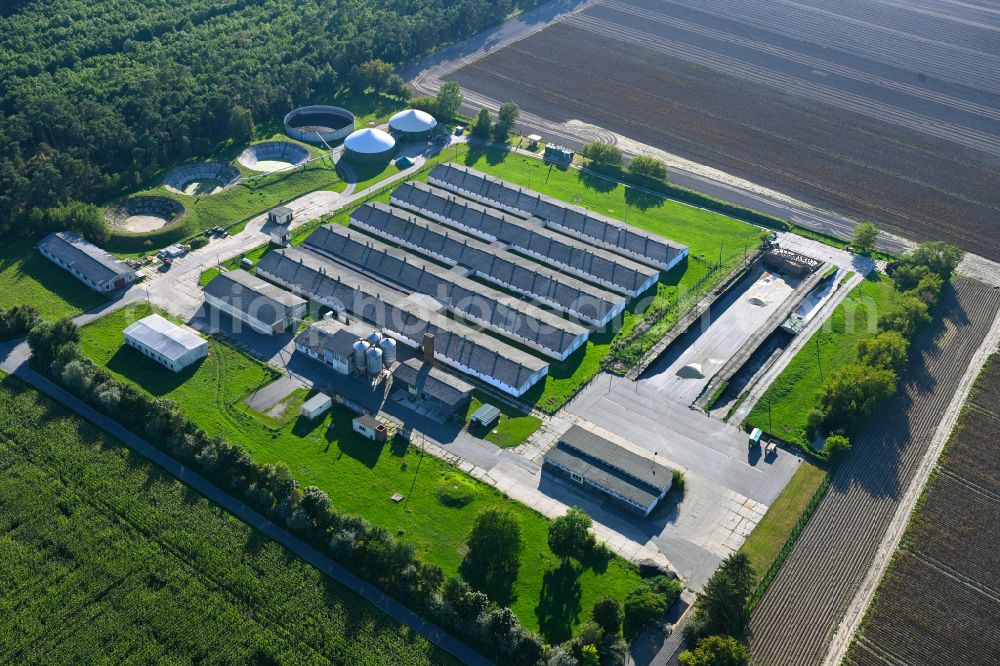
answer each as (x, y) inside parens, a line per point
(887, 113)
(794, 622)
(939, 601)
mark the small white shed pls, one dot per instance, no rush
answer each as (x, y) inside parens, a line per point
(316, 406)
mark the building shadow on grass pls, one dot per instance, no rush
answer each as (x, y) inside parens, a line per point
(559, 603)
(149, 374)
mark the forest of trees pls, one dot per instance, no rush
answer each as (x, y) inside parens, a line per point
(99, 96)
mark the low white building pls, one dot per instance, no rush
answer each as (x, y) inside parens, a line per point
(173, 346)
(316, 406)
(264, 307)
(369, 427)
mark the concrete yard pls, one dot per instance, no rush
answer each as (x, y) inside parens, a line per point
(728, 488)
(728, 325)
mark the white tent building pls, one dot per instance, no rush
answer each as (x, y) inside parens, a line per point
(173, 346)
(369, 146)
(413, 125)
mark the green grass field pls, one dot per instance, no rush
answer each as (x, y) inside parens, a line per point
(774, 528)
(107, 559)
(512, 428)
(28, 277)
(361, 476)
(783, 408)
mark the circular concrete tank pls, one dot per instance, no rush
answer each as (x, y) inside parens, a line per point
(413, 125)
(271, 156)
(319, 123)
(201, 178)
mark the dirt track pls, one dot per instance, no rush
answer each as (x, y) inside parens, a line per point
(872, 110)
(796, 619)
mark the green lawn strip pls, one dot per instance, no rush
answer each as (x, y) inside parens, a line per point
(360, 476)
(771, 533)
(109, 559)
(704, 231)
(26, 277)
(512, 428)
(783, 408)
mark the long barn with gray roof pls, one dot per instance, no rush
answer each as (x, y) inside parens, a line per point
(504, 314)
(91, 265)
(494, 264)
(584, 224)
(345, 290)
(529, 237)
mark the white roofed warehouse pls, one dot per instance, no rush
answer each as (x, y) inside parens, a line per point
(369, 146)
(413, 125)
(171, 345)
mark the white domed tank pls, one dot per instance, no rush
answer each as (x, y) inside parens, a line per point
(360, 358)
(373, 338)
(388, 347)
(374, 355)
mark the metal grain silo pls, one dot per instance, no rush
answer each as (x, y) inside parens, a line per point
(360, 359)
(374, 355)
(388, 347)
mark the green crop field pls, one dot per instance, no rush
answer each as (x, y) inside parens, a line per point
(107, 559)
(28, 277)
(783, 408)
(360, 476)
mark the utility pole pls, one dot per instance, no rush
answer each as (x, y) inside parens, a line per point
(819, 360)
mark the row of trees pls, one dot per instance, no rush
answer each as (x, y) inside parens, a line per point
(643, 170)
(719, 622)
(851, 393)
(103, 95)
(466, 606)
(368, 550)
(485, 128)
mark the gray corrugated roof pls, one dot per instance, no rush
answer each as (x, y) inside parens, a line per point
(380, 305)
(522, 274)
(527, 235)
(327, 334)
(251, 295)
(315, 402)
(645, 470)
(433, 381)
(486, 413)
(505, 313)
(534, 204)
(91, 261)
(165, 337)
(601, 474)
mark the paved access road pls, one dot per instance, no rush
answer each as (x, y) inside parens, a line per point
(796, 619)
